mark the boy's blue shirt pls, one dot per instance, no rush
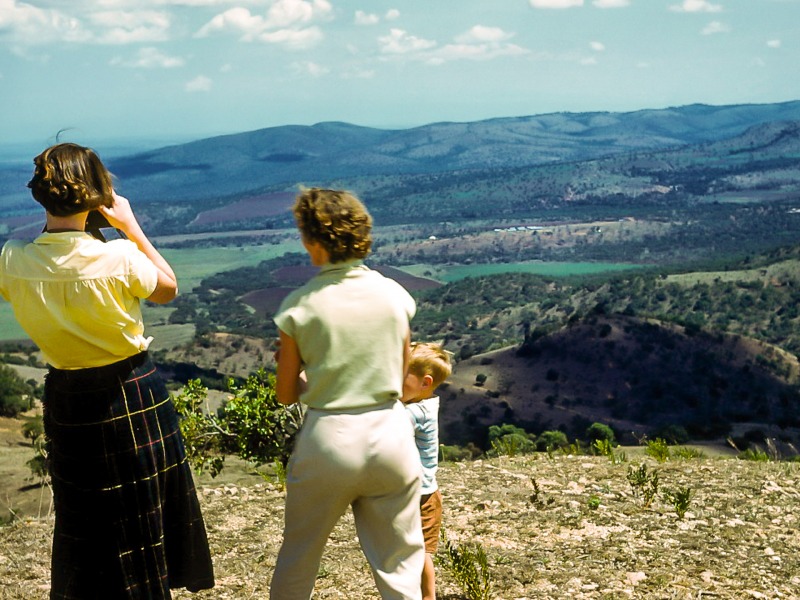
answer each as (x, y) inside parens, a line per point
(424, 417)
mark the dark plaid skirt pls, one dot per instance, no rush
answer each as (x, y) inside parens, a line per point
(127, 520)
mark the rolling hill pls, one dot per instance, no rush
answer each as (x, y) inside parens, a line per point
(640, 376)
(243, 164)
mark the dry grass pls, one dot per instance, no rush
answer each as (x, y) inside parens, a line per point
(534, 517)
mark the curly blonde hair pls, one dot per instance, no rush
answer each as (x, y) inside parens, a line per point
(69, 179)
(336, 220)
(431, 359)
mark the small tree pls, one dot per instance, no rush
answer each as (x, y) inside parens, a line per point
(600, 431)
(551, 440)
(15, 393)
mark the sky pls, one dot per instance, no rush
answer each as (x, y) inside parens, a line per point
(176, 70)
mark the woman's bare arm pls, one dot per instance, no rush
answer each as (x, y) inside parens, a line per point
(121, 216)
(288, 385)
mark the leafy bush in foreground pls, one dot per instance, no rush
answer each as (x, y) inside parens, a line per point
(252, 424)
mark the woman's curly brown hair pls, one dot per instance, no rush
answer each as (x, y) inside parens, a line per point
(69, 179)
(336, 220)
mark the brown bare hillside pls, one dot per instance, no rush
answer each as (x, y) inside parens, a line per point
(636, 375)
(560, 528)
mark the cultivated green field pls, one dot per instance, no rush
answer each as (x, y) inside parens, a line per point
(777, 271)
(192, 265)
(9, 328)
(449, 273)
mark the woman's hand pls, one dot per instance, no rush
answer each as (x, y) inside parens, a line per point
(120, 214)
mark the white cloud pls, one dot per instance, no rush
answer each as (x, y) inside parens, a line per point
(201, 83)
(192, 2)
(696, 6)
(401, 42)
(310, 68)
(611, 3)
(481, 33)
(286, 13)
(452, 52)
(150, 58)
(363, 18)
(30, 25)
(294, 39)
(129, 19)
(597, 46)
(235, 19)
(773, 43)
(588, 61)
(392, 14)
(121, 27)
(285, 22)
(715, 27)
(478, 43)
(555, 3)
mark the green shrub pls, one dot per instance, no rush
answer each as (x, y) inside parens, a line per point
(33, 428)
(600, 431)
(260, 429)
(756, 454)
(643, 484)
(252, 424)
(15, 393)
(459, 453)
(551, 440)
(512, 444)
(680, 499)
(657, 449)
(686, 453)
(201, 439)
(468, 565)
(498, 431)
(576, 448)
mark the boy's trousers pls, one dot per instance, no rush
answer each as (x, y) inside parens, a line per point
(364, 458)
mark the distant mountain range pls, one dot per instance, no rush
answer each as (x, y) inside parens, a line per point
(237, 164)
(247, 162)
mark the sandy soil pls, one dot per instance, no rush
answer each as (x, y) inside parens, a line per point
(553, 528)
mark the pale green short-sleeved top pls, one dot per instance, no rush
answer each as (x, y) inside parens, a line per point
(78, 298)
(350, 324)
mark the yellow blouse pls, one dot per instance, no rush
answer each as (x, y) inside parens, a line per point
(77, 297)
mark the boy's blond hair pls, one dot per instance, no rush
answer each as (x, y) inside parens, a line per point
(428, 358)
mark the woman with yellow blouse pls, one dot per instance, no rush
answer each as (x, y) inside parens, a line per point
(127, 520)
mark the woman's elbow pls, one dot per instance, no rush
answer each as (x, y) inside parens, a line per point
(164, 293)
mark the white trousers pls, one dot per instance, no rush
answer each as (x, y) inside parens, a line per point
(364, 458)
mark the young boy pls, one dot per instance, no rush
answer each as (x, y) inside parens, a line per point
(429, 365)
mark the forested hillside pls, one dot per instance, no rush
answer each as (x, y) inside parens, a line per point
(705, 350)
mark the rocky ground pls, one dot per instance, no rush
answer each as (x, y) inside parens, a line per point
(560, 527)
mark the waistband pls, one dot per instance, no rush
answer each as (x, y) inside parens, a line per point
(121, 367)
(391, 404)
